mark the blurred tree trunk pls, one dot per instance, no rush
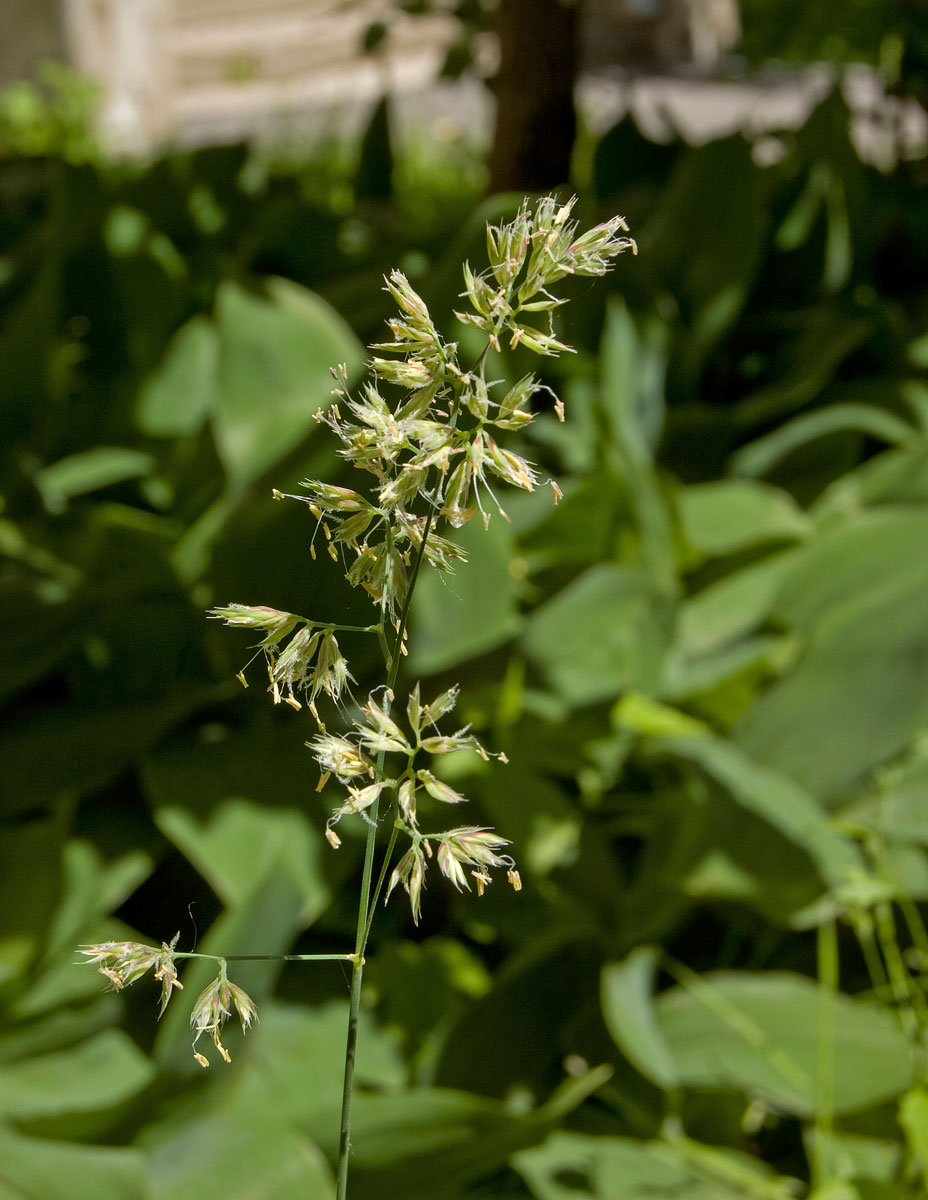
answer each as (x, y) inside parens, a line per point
(535, 118)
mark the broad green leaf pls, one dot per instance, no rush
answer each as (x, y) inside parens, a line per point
(898, 811)
(90, 471)
(217, 787)
(193, 551)
(825, 143)
(41, 1169)
(422, 988)
(775, 798)
(824, 189)
(217, 794)
(647, 717)
(730, 873)
(554, 834)
(733, 1169)
(906, 869)
(60, 983)
(420, 1143)
(725, 682)
(524, 799)
(855, 1156)
(569, 1166)
(274, 360)
(734, 514)
(632, 368)
(577, 442)
(581, 529)
(913, 1117)
(455, 617)
(734, 606)
(857, 696)
(30, 867)
(75, 1018)
(628, 1007)
(631, 383)
(743, 859)
(529, 1010)
(917, 352)
(91, 890)
(758, 1033)
(430, 1143)
(176, 399)
(104, 1071)
(897, 476)
(878, 553)
(705, 843)
(300, 1051)
(236, 1145)
(914, 395)
(836, 1189)
(241, 844)
(596, 636)
(759, 456)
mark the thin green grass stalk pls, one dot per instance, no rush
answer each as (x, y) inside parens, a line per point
(863, 925)
(366, 906)
(435, 456)
(916, 927)
(897, 976)
(829, 982)
(907, 997)
(721, 1174)
(919, 936)
(905, 981)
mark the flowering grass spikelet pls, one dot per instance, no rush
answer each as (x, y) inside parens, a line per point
(424, 430)
(125, 962)
(214, 1006)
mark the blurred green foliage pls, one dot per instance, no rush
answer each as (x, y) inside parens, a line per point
(707, 667)
(54, 114)
(889, 34)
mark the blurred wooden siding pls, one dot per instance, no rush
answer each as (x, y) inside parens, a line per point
(243, 65)
(208, 70)
(199, 71)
